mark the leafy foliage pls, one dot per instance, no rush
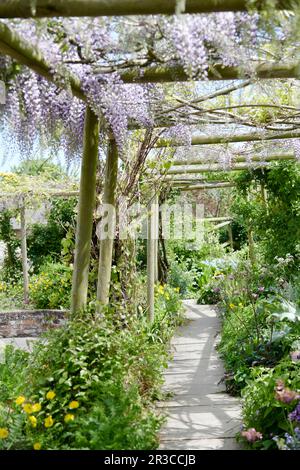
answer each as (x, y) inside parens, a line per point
(262, 409)
(45, 241)
(93, 381)
(51, 287)
(275, 220)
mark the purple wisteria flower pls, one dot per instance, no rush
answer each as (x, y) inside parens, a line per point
(295, 415)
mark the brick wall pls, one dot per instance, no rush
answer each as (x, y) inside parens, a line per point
(21, 323)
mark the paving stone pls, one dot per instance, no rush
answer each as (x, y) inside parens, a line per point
(200, 422)
(201, 444)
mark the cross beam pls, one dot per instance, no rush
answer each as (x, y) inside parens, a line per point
(215, 167)
(182, 164)
(13, 45)
(175, 73)
(66, 8)
(205, 186)
(224, 139)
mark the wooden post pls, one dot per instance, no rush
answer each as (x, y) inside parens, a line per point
(230, 236)
(152, 235)
(87, 201)
(251, 247)
(24, 252)
(106, 244)
(264, 196)
(156, 236)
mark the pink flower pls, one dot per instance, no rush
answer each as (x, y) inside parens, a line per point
(295, 356)
(252, 435)
(284, 394)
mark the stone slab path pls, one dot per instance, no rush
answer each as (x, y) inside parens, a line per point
(25, 343)
(200, 415)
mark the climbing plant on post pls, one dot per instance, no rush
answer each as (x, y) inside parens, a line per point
(108, 221)
(87, 201)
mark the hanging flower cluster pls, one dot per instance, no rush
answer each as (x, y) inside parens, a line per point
(202, 40)
(97, 51)
(180, 133)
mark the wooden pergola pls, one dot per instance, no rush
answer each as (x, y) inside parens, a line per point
(13, 45)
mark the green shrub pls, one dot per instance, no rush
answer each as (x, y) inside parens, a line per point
(255, 332)
(51, 287)
(91, 384)
(11, 296)
(45, 241)
(182, 278)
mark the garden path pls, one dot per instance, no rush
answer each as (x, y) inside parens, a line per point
(200, 414)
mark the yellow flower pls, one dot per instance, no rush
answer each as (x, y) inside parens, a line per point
(4, 433)
(20, 400)
(231, 305)
(48, 422)
(37, 446)
(50, 395)
(240, 304)
(33, 421)
(218, 274)
(160, 289)
(74, 404)
(167, 296)
(36, 407)
(69, 417)
(27, 407)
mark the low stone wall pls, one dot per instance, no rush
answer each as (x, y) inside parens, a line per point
(29, 323)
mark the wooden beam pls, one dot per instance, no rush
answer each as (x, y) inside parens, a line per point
(66, 8)
(107, 242)
(46, 195)
(86, 207)
(225, 139)
(201, 165)
(176, 73)
(211, 169)
(236, 159)
(216, 219)
(206, 186)
(24, 53)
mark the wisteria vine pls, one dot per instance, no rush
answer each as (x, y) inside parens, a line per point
(95, 51)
